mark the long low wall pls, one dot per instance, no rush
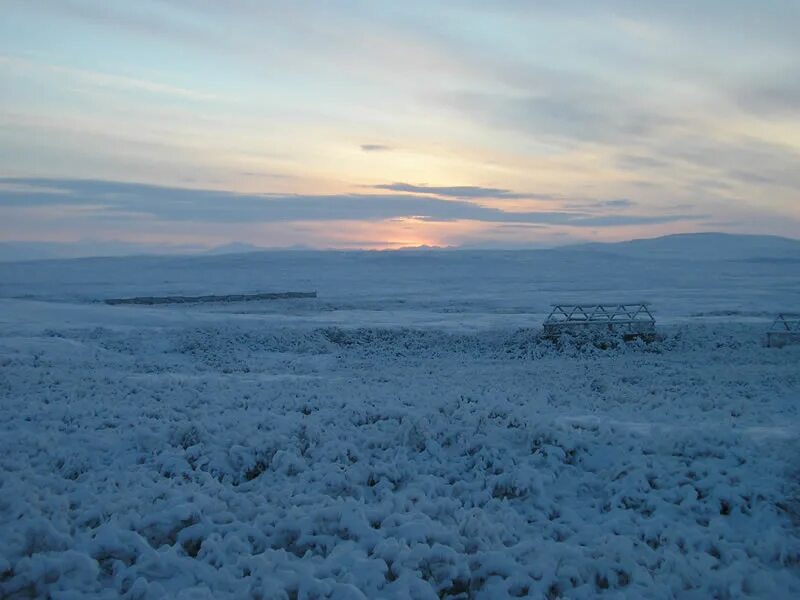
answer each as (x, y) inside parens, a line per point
(211, 298)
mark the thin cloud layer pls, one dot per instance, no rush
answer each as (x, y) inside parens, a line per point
(457, 191)
(109, 200)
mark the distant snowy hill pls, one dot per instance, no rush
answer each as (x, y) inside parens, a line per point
(235, 248)
(699, 246)
(693, 246)
(22, 251)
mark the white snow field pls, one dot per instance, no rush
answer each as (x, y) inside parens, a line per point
(407, 434)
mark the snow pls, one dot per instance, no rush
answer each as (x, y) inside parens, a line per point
(405, 435)
(716, 246)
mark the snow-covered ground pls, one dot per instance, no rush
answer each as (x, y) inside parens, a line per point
(405, 435)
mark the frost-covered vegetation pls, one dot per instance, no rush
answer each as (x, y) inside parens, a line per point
(244, 461)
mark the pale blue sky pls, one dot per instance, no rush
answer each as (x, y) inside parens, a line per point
(345, 124)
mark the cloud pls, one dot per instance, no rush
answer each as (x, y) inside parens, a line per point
(134, 19)
(619, 203)
(566, 115)
(105, 80)
(624, 220)
(125, 202)
(777, 97)
(459, 191)
(603, 204)
(635, 162)
(375, 148)
(745, 159)
(698, 162)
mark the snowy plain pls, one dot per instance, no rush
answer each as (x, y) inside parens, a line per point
(407, 434)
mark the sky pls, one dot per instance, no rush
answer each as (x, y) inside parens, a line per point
(350, 124)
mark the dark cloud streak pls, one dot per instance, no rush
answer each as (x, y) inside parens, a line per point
(568, 116)
(104, 200)
(459, 191)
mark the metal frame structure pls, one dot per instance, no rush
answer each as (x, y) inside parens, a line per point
(785, 330)
(633, 319)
